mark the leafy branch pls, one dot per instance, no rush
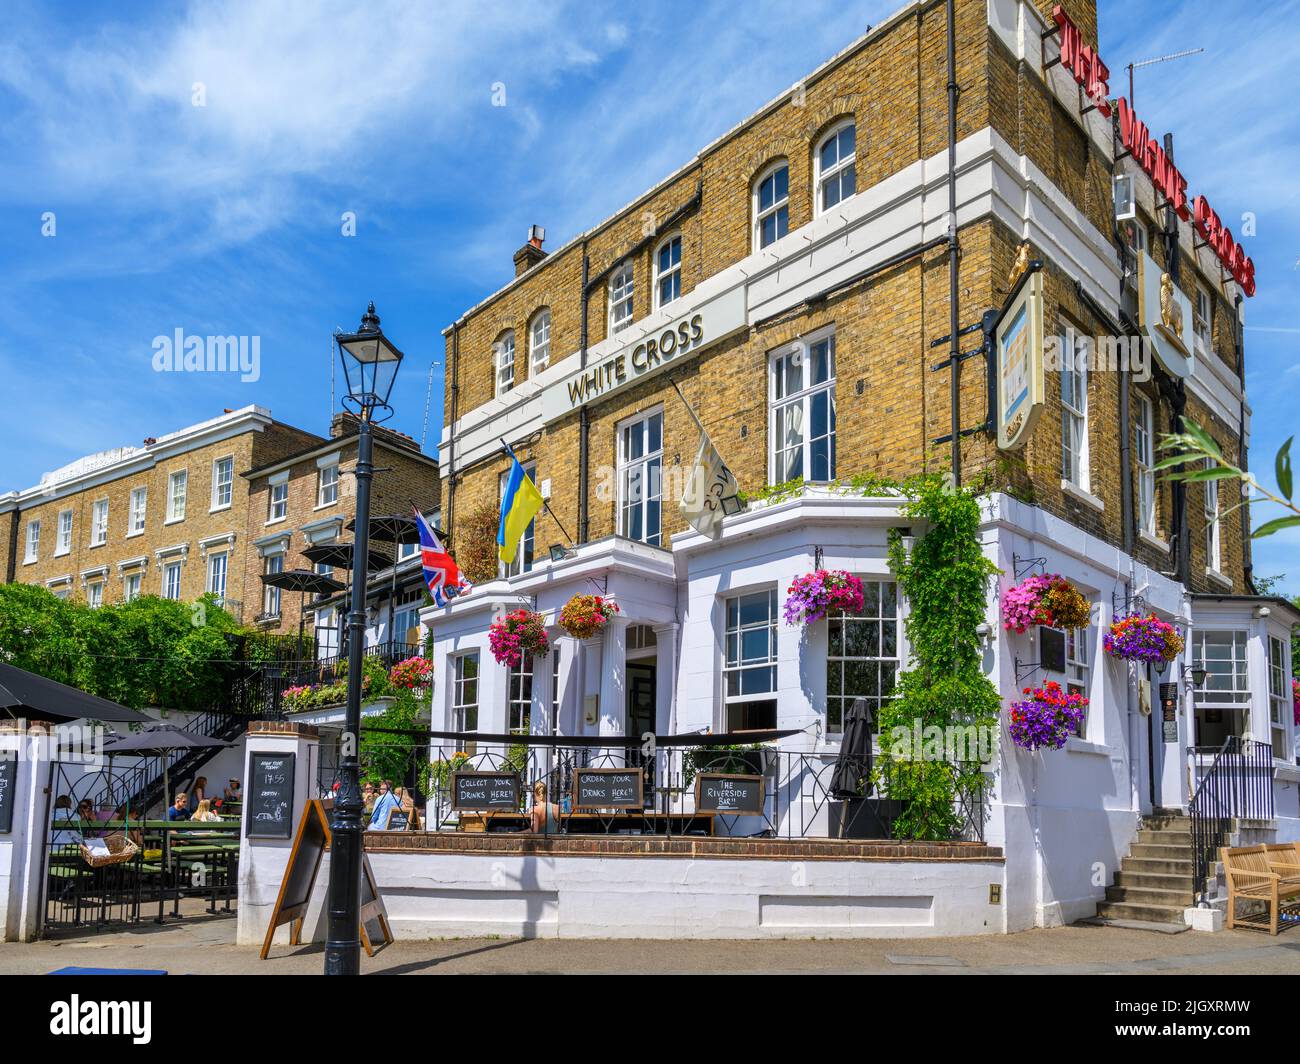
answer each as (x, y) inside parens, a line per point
(1195, 446)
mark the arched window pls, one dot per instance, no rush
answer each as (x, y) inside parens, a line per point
(836, 179)
(668, 270)
(539, 340)
(771, 206)
(504, 358)
(620, 298)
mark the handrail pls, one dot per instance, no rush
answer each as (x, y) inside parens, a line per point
(1238, 785)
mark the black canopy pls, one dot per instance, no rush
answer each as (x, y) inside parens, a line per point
(339, 556)
(852, 775)
(303, 580)
(391, 528)
(25, 694)
(158, 739)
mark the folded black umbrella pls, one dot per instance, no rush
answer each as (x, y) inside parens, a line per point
(25, 694)
(852, 775)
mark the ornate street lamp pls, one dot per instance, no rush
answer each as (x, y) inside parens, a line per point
(370, 365)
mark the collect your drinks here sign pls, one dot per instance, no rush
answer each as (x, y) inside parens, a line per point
(647, 352)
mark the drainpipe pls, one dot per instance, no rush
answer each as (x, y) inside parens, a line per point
(11, 563)
(584, 419)
(451, 443)
(954, 249)
(1243, 451)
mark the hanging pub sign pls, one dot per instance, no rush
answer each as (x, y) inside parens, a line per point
(1166, 316)
(1018, 343)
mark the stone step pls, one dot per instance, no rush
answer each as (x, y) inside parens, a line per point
(1126, 877)
(1136, 925)
(1160, 866)
(1166, 899)
(1165, 837)
(1160, 851)
(1151, 914)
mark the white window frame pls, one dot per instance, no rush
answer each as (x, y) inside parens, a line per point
(539, 340)
(99, 522)
(1138, 245)
(1279, 702)
(1144, 458)
(32, 552)
(735, 664)
(271, 563)
(1213, 532)
(168, 569)
(218, 560)
(803, 398)
(277, 502)
(673, 275)
(1078, 669)
(139, 510)
(779, 209)
(176, 499)
(63, 534)
(461, 706)
(94, 593)
(647, 468)
(1236, 696)
(327, 485)
(132, 586)
(884, 590)
(622, 290)
(1074, 411)
(525, 677)
(223, 485)
(823, 178)
(526, 552)
(1202, 319)
(503, 362)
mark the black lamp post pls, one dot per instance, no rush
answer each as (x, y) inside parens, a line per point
(370, 364)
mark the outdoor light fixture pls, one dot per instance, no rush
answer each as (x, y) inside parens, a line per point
(370, 365)
(1198, 674)
(559, 552)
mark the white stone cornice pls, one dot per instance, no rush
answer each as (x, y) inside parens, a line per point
(208, 542)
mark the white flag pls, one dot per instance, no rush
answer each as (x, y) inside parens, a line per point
(710, 482)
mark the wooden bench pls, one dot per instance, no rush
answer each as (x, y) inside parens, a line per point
(1251, 876)
(1284, 859)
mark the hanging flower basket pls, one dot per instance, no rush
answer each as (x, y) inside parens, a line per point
(519, 634)
(584, 616)
(412, 674)
(1047, 717)
(1143, 638)
(1049, 600)
(813, 595)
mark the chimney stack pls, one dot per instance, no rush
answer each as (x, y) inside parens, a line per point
(531, 253)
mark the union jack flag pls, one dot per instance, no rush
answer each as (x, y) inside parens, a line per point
(440, 572)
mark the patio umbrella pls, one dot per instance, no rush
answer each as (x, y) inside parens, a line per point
(25, 694)
(302, 581)
(159, 740)
(391, 528)
(853, 766)
(339, 556)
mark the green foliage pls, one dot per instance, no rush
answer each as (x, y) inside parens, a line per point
(39, 632)
(945, 578)
(730, 758)
(385, 756)
(476, 544)
(867, 485)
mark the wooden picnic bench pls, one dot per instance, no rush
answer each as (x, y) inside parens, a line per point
(1269, 874)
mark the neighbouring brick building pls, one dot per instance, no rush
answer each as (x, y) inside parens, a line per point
(792, 280)
(168, 517)
(309, 497)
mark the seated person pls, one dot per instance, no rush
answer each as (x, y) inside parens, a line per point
(179, 809)
(545, 816)
(368, 797)
(204, 814)
(387, 800)
(233, 792)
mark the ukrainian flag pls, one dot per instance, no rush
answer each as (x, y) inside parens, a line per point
(519, 504)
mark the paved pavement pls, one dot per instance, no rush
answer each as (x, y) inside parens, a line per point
(205, 945)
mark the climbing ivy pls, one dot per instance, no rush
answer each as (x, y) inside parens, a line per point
(945, 579)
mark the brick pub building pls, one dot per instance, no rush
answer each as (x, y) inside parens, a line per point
(793, 281)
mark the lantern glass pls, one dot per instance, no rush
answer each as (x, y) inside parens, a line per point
(370, 363)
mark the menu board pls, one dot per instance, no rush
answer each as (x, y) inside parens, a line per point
(8, 781)
(607, 788)
(485, 792)
(270, 796)
(735, 795)
(398, 820)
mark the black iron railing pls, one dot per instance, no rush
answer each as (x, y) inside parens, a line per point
(1235, 783)
(797, 801)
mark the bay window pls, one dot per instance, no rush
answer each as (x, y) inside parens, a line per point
(749, 661)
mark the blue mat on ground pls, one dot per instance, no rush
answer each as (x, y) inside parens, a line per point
(73, 970)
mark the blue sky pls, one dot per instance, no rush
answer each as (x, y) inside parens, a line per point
(227, 218)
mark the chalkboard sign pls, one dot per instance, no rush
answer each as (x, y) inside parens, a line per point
(8, 782)
(723, 792)
(607, 788)
(398, 820)
(269, 797)
(485, 792)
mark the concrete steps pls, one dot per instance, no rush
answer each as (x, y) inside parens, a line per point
(1154, 883)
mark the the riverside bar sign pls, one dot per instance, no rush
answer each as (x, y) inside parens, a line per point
(1086, 67)
(651, 350)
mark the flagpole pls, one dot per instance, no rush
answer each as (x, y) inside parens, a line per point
(689, 409)
(546, 503)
